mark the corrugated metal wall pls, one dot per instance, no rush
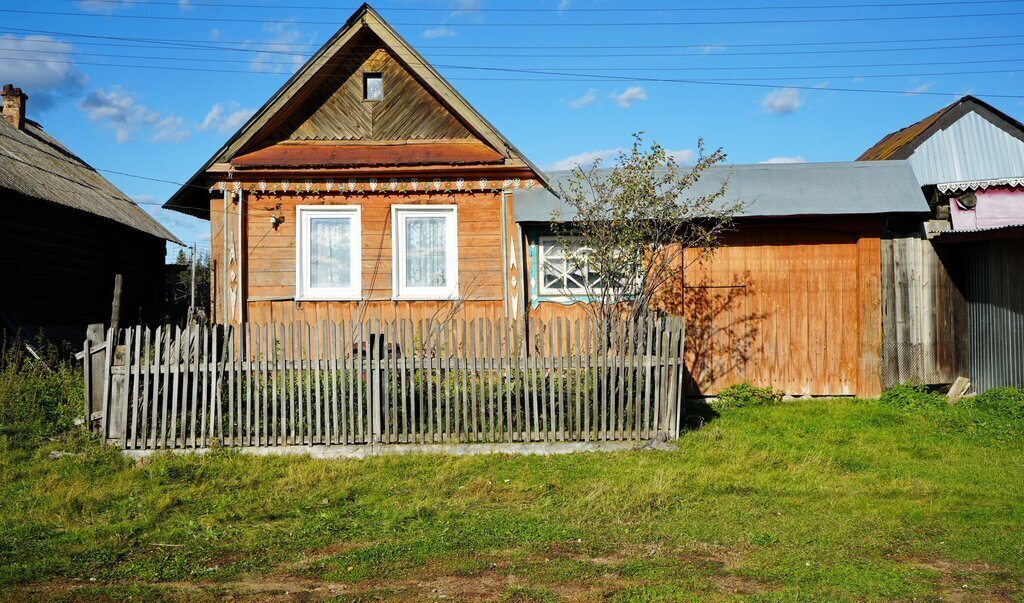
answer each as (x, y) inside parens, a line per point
(973, 148)
(993, 280)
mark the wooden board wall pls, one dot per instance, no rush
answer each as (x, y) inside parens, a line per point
(268, 265)
(337, 111)
(922, 314)
(793, 306)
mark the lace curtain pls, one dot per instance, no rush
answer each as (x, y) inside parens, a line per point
(330, 252)
(426, 252)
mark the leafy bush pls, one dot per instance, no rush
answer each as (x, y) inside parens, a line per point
(742, 395)
(1004, 401)
(910, 396)
(37, 397)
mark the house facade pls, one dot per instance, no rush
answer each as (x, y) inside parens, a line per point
(70, 231)
(792, 299)
(365, 188)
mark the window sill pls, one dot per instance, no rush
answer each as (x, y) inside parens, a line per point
(424, 298)
(318, 298)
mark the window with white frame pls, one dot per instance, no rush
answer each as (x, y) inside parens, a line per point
(426, 255)
(565, 274)
(328, 260)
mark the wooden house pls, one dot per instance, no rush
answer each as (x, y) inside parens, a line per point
(69, 232)
(792, 299)
(366, 187)
(952, 289)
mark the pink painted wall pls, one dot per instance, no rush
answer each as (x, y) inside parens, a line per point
(997, 206)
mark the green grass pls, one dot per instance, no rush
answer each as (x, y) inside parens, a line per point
(825, 499)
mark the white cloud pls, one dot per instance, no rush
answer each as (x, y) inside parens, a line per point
(48, 78)
(118, 110)
(170, 129)
(630, 95)
(283, 38)
(587, 159)
(466, 5)
(782, 101)
(682, 156)
(711, 48)
(564, 4)
(792, 159)
(588, 98)
(439, 32)
(225, 120)
(919, 89)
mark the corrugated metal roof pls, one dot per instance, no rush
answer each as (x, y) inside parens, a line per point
(797, 189)
(966, 140)
(972, 148)
(34, 164)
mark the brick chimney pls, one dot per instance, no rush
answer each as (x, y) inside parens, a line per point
(14, 106)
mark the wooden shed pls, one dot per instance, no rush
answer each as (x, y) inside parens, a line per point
(951, 287)
(792, 299)
(68, 232)
(366, 187)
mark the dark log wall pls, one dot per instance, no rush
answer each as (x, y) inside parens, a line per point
(60, 267)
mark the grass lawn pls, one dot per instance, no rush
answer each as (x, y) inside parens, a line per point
(823, 500)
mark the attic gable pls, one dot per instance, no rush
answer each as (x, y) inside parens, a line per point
(336, 109)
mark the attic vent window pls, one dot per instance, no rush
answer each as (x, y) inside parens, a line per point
(373, 86)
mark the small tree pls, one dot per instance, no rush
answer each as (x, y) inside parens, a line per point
(632, 224)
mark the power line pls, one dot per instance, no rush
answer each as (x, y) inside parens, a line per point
(589, 77)
(213, 44)
(711, 51)
(860, 19)
(673, 9)
(554, 70)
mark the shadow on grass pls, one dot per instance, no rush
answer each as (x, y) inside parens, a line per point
(696, 414)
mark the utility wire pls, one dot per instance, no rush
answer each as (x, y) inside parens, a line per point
(214, 43)
(711, 52)
(566, 10)
(528, 24)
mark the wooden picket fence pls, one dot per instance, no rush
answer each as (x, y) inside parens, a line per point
(390, 382)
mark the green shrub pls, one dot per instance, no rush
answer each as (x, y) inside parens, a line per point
(38, 398)
(910, 396)
(1004, 401)
(742, 395)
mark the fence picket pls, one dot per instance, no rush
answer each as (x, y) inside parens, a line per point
(389, 381)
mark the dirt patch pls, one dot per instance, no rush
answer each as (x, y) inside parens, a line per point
(970, 581)
(740, 585)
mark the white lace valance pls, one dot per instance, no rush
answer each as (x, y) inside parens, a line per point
(973, 185)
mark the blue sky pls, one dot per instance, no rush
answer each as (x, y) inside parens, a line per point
(161, 102)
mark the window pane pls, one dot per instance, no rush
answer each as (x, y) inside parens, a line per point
(374, 84)
(330, 252)
(426, 262)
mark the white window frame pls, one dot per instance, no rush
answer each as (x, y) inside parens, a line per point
(399, 291)
(304, 291)
(545, 242)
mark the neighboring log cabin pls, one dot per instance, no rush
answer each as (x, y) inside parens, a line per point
(366, 187)
(69, 231)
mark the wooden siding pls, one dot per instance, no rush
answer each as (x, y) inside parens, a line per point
(923, 314)
(795, 306)
(63, 265)
(337, 111)
(268, 265)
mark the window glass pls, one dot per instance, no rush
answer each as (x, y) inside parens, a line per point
(426, 260)
(561, 275)
(373, 86)
(330, 252)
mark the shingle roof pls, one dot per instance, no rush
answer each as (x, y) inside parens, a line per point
(34, 164)
(796, 189)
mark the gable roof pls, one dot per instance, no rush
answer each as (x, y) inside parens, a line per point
(902, 143)
(34, 164)
(773, 190)
(190, 199)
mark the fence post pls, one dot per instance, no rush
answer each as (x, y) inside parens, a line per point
(116, 411)
(95, 379)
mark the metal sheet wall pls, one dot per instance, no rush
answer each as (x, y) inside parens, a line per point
(994, 287)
